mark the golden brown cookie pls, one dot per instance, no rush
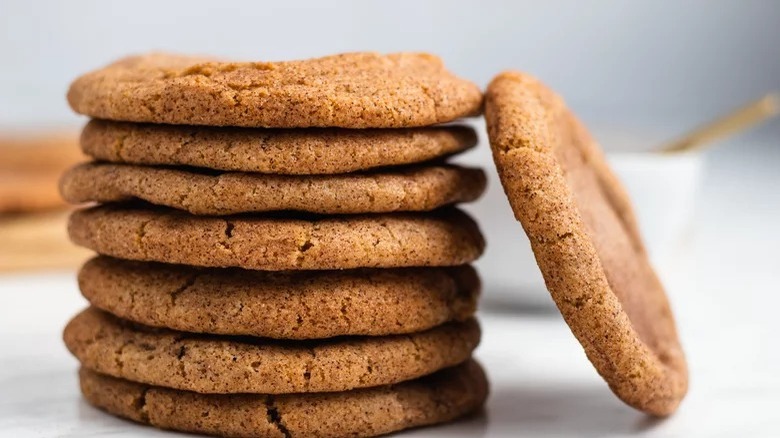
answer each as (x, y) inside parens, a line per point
(30, 165)
(440, 238)
(278, 151)
(352, 90)
(437, 398)
(418, 188)
(584, 235)
(223, 364)
(281, 305)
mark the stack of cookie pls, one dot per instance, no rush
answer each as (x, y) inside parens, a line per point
(257, 279)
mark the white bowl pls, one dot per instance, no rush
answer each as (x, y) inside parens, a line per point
(662, 188)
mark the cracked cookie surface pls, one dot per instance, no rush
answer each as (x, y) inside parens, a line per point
(417, 188)
(281, 305)
(582, 230)
(223, 364)
(352, 90)
(277, 151)
(445, 237)
(440, 397)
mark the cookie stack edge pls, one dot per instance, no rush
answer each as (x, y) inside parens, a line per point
(279, 253)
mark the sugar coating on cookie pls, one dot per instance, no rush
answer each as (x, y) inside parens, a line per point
(281, 305)
(440, 238)
(584, 235)
(278, 151)
(440, 397)
(419, 188)
(220, 364)
(352, 90)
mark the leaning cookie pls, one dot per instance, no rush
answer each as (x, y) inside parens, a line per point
(281, 305)
(420, 188)
(585, 239)
(219, 364)
(440, 238)
(277, 151)
(443, 396)
(352, 90)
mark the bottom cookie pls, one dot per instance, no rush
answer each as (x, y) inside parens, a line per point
(437, 398)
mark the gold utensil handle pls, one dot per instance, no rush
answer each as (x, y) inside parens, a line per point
(739, 120)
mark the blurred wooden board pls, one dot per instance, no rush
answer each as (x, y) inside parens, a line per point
(30, 167)
(37, 241)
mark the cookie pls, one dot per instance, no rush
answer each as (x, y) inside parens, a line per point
(419, 188)
(223, 364)
(30, 165)
(584, 236)
(281, 305)
(440, 238)
(437, 398)
(352, 90)
(278, 151)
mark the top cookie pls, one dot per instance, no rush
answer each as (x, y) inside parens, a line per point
(585, 239)
(352, 90)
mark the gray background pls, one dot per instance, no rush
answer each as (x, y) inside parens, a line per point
(633, 63)
(638, 72)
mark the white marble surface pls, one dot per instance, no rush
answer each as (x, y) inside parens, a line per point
(723, 284)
